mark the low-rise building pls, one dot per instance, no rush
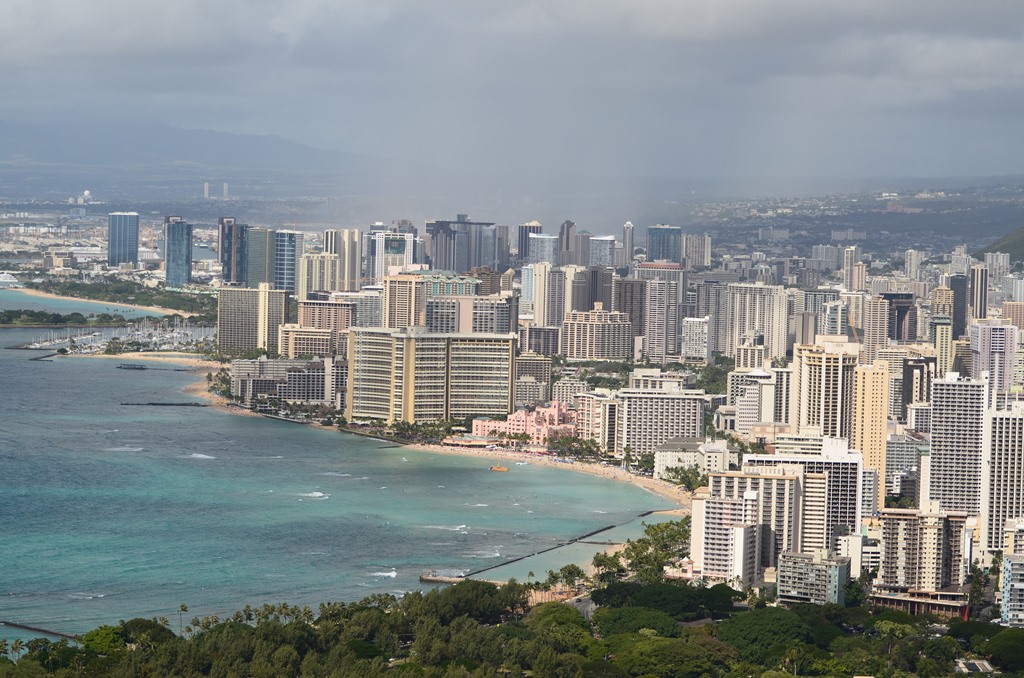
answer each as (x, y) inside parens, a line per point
(818, 578)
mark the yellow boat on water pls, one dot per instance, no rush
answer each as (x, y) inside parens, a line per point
(499, 468)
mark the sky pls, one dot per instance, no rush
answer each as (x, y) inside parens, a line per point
(677, 88)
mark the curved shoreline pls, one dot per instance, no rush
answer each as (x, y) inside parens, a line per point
(138, 307)
(661, 488)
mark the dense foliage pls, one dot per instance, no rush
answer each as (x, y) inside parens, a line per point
(126, 292)
(28, 317)
(478, 629)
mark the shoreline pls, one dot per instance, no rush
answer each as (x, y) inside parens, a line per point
(158, 310)
(674, 493)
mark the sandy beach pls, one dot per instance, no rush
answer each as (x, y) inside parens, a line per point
(154, 309)
(674, 493)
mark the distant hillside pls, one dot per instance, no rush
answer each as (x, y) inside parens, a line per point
(1012, 243)
(144, 143)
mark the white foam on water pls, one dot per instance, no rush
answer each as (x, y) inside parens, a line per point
(336, 474)
(599, 511)
(196, 455)
(363, 478)
(124, 448)
(461, 529)
(383, 487)
(476, 505)
(392, 573)
(315, 495)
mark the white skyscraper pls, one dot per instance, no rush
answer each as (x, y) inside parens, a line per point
(756, 308)
(1002, 480)
(661, 314)
(957, 426)
(993, 350)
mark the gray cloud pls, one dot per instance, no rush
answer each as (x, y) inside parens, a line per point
(685, 87)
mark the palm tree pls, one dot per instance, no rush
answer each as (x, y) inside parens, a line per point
(182, 609)
(17, 647)
(3, 647)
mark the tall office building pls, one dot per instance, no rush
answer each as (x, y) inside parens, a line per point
(231, 250)
(122, 238)
(462, 244)
(177, 251)
(566, 242)
(823, 388)
(631, 298)
(756, 308)
(661, 321)
(602, 251)
(958, 284)
(627, 241)
(589, 286)
(260, 256)
(387, 250)
(870, 417)
(543, 249)
(957, 429)
(1002, 479)
(290, 246)
(248, 319)
(664, 243)
(993, 352)
(979, 291)
(524, 238)
(348, 245)
(902, 324)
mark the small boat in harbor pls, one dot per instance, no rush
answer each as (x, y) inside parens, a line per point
(503, 469)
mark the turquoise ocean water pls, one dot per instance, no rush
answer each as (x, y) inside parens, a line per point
(109, 512)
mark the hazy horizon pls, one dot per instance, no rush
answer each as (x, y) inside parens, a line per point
(657, 88)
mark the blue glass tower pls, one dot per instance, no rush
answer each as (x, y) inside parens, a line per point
(177, 251)
(122, 238)
(664, 243)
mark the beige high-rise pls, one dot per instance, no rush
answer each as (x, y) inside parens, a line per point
(822, 402)
(875, 328)
(870, 415)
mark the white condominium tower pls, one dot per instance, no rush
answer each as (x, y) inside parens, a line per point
(1002, 481)
(993, 350)
(958, 419)
(756, 308)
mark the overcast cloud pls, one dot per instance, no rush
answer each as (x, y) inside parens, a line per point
(655, 87)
